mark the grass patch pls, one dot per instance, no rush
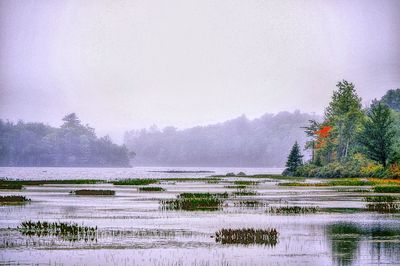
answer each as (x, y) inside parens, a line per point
(195, 201)
(191, 179)
(342, 210)
(243, 192)
(66, 231)
(236, 187)
(151, 189)
(384, 207)
(350, 182)
(292, 210)
(302, 184)
(387, 189)
(381, 199)
(354, 190)
(249, 203)
(135, 182)
(93, 192)
(247, 236)
(4, 200)
(18, 184)
(245, 183)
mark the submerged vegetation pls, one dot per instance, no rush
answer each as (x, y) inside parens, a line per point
(66, 231)
(247, 236)
(13, 200)
(292, 210)
(93, 192)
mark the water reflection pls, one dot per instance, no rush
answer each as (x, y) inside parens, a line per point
(351, 241)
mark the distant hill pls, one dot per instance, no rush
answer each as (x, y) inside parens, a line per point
(241, 142)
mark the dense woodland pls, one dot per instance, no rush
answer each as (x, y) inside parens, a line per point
(73, 144)
(352, 141)
(238, 142)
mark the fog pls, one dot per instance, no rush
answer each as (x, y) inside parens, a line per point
(123, 65)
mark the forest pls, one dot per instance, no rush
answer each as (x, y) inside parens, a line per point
(351, 141)
(239, 142)
(72, 145)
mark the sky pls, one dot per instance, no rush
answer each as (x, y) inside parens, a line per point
(124, 65)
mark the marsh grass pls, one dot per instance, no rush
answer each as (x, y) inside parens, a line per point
(192, 179)
(243, 192)
(93, 192)
(236, 187)
(195, 201)
(247, 236)
(151, 189)
(302, 184)
(250, 203)
(349, 229)
(18, 184)
(387, 189)
(135, 182)
(4, 200)
(382, 204)
(292, 210)
(245, 183)
(66, 231)
(354, 190)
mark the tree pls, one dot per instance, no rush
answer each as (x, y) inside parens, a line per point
(295, 159)
(344, 114)
(378, 135)
(392, 99)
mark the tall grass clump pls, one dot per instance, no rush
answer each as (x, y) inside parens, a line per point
(66, 231)
(151, 189)
(387, 189)
(93, 192)
(195, 201)
(13, 200)
(247, 236)
(292, 210)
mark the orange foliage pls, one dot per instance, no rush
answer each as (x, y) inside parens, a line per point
(322, 134)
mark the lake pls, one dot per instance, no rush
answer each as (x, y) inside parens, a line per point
(134, 229)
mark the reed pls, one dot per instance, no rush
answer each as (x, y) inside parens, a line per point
(245, 183)
(195, 201)
(292, 210)
(151, 189)
(250, 203)
(243, 192)
(387, 189)
(66, 231)
(247, 236)
(13, 200)
(93, 192)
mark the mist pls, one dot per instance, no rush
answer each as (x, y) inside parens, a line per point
(126, 65)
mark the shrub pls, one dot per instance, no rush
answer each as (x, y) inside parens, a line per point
(373, 170)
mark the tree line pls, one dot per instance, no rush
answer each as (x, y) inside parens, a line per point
(352, 141)
(72, 144)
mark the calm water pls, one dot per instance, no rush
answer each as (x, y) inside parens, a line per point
(32, 173)
(134, 230)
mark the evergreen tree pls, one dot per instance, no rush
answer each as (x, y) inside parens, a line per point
(344, 114)
(378, 135)
(294, 160)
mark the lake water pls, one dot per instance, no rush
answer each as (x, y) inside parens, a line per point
(35, 173)
(132, 229)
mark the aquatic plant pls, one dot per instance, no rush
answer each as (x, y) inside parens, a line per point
(66, 231)
(247, 236)
(302, 184)
(292, 210)
(384, 207)
(381, 199)
(195, 201)
(250, 203)
(13, 199)
(387, 189)
(203, 195)
(135, 182)
(243, 192)
(236, 187)
(18, 184)
(350, 182)
(153, 189)
(93, 192)
(190, 179)
(245, 183)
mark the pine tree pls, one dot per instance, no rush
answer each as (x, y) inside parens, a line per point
(378, 135)
(294, 160)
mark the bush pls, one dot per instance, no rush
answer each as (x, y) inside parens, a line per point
(373, 170)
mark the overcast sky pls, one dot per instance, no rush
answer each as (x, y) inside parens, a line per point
(122, 65)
